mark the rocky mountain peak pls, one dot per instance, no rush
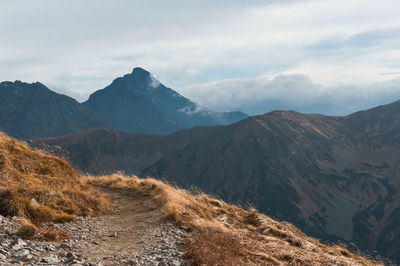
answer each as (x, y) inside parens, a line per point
(139, 81)
(144, 77)
(140, 72)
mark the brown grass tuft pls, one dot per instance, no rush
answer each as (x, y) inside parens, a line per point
(228, 235)
(43, 188)
(213, 247)
(47, 233)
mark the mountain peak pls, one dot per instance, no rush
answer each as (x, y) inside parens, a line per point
(138, 71)
(20, 87)
(139, 80)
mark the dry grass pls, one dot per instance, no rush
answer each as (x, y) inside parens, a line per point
(46, 233)
(228, 235)
(43, 188)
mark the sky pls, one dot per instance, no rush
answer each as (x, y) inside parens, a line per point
(325, 56)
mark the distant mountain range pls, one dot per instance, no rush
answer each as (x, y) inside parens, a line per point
(337, 178)
(135, 103)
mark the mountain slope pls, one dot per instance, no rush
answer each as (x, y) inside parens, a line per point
(102, 150)
(33, 111)
(337, 178)
(138, 103)
(58, 190)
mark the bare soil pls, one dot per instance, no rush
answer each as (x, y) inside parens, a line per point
(134, 233)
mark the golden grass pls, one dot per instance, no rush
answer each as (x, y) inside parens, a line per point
(28, 175)
(228, 235)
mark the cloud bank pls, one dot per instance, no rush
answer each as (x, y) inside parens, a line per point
(295, 92)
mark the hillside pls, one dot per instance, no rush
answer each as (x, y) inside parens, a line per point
(41, 187)
(138, 103)
(137, 229)
(33, 111)
(102, 150)
(336, 178)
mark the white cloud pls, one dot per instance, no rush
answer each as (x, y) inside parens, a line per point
(296, 92)
(154, 83)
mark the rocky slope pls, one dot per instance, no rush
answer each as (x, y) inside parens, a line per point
(337, 178)
(138, 103)
(141, 240)
(33, 111)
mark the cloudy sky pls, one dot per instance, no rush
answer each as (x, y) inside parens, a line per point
(325, 56)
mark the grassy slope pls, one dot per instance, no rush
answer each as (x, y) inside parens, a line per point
(223, 234)
(228, 235)
(27, 174)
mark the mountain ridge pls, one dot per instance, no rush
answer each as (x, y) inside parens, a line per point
(334, 177)
(33, 110)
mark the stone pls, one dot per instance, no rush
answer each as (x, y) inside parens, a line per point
(133, 262)
(19, 242)
(50, 247)
(176, 263)
(16, 247)
(64, 246)
(51, 259)
(34, 203)
(70, 259)
(39, 248)
(2, 251)
(21, 253)
(70, 254)
(27, 257)
(113, 235)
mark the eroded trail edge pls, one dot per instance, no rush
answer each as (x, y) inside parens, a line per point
(134, 233)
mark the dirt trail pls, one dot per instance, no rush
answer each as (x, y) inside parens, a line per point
(134, 233)
(126, 228)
